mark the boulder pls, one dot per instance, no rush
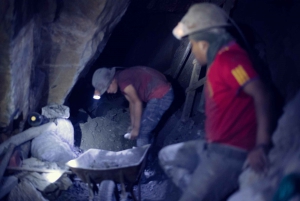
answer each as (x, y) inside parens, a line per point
(25, 191)
(284, 158)
(7, 184)
(55, 144)
(65, 130)
(56, 111)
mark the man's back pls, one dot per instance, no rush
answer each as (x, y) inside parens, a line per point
(147, 82)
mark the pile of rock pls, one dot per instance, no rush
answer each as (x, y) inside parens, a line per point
(281, 183)
(50, 146)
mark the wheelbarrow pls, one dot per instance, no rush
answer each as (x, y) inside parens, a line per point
(108, 168)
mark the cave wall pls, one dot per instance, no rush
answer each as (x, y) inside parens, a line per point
(16, 56)
(275, 24)
(44, 47)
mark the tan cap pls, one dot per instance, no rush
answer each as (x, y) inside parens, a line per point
(102, 79)
(199, 17)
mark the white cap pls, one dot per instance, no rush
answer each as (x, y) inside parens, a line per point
(200, 17)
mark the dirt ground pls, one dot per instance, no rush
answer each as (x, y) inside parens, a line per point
(106, 129)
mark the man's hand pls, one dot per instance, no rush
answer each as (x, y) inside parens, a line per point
(129, 129)
(134, 134)
(258, 160)
(135, 106)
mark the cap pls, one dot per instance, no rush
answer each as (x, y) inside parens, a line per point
(102, 79)
(200, 17)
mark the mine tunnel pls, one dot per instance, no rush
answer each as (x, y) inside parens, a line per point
(61, 142)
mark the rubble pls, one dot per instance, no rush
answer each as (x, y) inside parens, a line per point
(107, 132)
(25, 191)
(6, 159)
(52, 143)
(284, 158)
(34, 182)
(56, 111)
(7, 184)
(55, 144)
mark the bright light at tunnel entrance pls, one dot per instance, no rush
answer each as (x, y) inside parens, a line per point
(97, 97)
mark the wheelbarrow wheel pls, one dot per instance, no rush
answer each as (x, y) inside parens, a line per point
(107, 191)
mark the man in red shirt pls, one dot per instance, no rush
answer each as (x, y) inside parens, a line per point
(138, 84)
(236, 106)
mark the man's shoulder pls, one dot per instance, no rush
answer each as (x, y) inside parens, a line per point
(132, 72)
(233, 56)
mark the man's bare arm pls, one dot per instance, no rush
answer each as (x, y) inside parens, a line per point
(131, 115)
(135, 106)
(257, 157)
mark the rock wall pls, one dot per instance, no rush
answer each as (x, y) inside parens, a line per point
(44, 47)
(284, 160)
(275, 24)
(16, 56)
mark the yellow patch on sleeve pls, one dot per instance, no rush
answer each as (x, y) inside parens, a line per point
(240, 75)
(223, 50)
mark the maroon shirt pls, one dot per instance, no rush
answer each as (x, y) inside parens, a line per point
(230, 112)
(147, 82)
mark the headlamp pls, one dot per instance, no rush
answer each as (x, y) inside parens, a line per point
(96, 95)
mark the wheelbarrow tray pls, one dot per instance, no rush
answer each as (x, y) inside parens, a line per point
(96, 165)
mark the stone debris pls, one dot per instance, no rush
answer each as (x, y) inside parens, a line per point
(25, 191)
(7, 184)
(50, 147)
(247, 195)
(65, 130)
(32, 183)
(107, 132)
(149, 173)
(284, 158)
(55, 144)
(104, 164)
(56, 111)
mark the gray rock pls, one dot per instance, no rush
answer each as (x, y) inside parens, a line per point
(106, 133)
(55, 144)
(25, 191)
(284, 158)
(50, 147)
(56, 111)
(65, 130)
(45, 182)
(7, 184)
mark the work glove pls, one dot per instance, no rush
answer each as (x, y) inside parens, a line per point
(127, 136)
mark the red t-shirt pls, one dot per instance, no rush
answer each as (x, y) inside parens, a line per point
(147, 82)
(231, 117)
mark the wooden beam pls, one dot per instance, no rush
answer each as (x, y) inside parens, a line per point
(183, 60)
(196, 85)
(201, 106)
(191, 94)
